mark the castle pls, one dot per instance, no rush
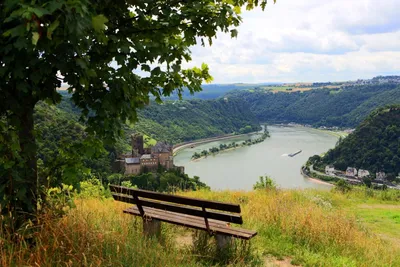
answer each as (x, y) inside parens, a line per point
(149, 159)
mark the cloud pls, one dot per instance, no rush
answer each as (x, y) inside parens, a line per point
(308, 40)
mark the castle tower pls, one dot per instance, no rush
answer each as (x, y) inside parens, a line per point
(137, 145)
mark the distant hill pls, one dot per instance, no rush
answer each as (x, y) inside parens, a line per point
(373, 146)
(214, 91)
(343, 107)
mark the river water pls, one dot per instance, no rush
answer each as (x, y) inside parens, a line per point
(240, 168)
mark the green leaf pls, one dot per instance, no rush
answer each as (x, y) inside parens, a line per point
(52, 27)
(81, 63)
(99, 22)
(234, 33)
(237, 9)
(39, 11)
(145, 67)
(35, 38)
(16, 31)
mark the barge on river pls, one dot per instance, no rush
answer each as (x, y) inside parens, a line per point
(295, 153)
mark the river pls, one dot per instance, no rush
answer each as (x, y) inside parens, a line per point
(240, 168)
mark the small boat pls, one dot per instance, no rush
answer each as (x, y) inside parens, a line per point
(295, 153)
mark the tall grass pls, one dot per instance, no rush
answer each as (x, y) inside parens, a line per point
(308, 226)
(95, 233)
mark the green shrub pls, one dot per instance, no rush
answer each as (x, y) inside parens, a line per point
(59, 199)
(128, 184)
(265, 183)
(343, 186)
(93, 188)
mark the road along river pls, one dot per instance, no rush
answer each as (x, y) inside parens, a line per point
(240, 168)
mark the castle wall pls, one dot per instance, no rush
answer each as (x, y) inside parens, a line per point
(164, 159)
(132, 169)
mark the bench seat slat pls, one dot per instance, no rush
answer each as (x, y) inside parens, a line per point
(193, 222)
(215, 205)
(193, 218)
(232, 218)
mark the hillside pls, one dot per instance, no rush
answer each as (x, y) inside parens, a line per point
(178, 121)
(373, 146)
(60, 140)
(344, 107)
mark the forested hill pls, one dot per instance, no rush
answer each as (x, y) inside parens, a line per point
(178, 121)
(344, 107)
(373, 146)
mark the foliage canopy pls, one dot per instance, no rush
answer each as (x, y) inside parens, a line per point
(97, 48)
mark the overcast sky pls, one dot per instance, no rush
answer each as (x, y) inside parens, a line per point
(308, 40)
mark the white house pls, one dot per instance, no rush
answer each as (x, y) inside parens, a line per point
(352, 172)
(381, 176)
(329, 170)
(363, 173)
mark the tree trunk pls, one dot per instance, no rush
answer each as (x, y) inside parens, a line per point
(26, 189)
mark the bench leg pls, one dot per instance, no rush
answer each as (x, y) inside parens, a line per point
(152, 228)
(223, 241)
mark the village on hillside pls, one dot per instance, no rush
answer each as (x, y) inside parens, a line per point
(356, 176)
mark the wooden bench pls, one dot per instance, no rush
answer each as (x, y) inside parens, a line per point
(211, 216)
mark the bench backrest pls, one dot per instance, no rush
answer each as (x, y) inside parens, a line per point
(190, 206)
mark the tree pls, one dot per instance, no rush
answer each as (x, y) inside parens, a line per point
(246, 129)
(367, 181)
(342, 186)
(95, 47)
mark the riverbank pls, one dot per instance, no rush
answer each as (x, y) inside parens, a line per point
(225, 147)
(335, 133)
(313, 179)
(338, 134)
(194, 143)
(204, 157)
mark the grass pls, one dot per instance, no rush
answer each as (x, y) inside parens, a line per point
(334, 92)
(311, 227)
(337, 134)
(276, 88)
(308, 227)
(299, 88)
(384, 219)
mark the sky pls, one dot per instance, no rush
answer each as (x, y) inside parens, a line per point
(308, 41)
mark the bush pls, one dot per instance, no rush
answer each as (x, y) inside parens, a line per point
(342, 186)
(367, 181)
(59, 199)
(115, 178)
(265, 183)
(93, 188)
(128, 184)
